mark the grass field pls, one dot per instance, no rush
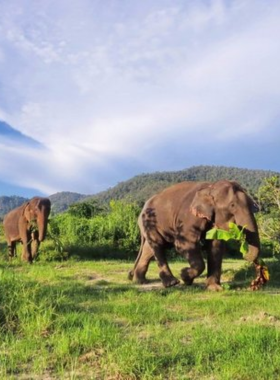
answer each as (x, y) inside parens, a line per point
(85, 320)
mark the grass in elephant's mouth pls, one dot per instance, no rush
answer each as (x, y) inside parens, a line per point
(85, 320)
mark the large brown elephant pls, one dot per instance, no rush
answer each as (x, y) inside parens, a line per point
(27, 224)
(180, 216)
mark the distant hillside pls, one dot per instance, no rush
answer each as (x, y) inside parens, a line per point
(9, 203)
(61, 201)
(141, 187)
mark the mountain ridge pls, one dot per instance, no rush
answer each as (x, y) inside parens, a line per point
(140, 187)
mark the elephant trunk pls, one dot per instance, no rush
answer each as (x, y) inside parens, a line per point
(42, 228)
(252, 235)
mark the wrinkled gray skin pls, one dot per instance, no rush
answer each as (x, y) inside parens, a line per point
(19, 227)
(180, 215)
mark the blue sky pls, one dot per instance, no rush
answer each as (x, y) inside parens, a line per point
(99, 91)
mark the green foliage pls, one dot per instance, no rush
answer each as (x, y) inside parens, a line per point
(117, 229)
(233, 233)
(86, 209)
(269, 217)
(269, 195)
(71, 230)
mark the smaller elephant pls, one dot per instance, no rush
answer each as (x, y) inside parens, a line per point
(27, 224)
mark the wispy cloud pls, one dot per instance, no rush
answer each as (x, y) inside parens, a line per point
(107, 86)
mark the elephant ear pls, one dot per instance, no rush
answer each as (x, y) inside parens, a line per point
(254, 207)
(27, 212)
(202, 205)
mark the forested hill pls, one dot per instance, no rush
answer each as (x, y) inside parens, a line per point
(9, 203)
(141, 187)
(60, 202)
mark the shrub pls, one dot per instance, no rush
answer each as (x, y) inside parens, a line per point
(115, 230)
(269, 218)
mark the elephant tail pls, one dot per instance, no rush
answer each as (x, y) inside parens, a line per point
(131, 272)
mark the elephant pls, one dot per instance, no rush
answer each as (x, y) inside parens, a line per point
(180, 216)
(27, 224)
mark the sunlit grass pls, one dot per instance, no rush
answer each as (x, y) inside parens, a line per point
(85, 320)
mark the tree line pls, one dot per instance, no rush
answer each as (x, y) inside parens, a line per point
(139, 188)
(104, 228)
(94, 229)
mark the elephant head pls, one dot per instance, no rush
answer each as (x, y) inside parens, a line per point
(38, 210)
(226, 201)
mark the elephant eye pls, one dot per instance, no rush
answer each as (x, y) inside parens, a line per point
(232, 205)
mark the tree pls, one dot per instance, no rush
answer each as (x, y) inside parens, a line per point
(85, 209)
(269, 217)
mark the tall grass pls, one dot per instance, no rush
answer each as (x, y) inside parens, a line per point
(83, 320)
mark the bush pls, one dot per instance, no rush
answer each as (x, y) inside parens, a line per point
(117, 230)
(51, 251)
(269, 217)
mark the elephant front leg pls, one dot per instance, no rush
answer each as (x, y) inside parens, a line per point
(26, 239)
(35, 248)
(26, 250)
(35, 244)
(192, 252)
(215, 251)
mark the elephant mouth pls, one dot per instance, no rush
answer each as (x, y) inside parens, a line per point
(252, 237)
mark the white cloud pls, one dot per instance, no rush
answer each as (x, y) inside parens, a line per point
(3, 115)
(95, 83)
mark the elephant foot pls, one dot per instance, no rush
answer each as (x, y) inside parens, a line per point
(140, 281)
(213, 283)
(168, 280)
(214, 287)
(27, 259)
(137, 278)
(130, 275)
(185, 276)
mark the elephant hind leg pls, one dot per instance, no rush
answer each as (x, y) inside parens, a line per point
(150, 248)
(146, 254)
(131, 272)
(143, 261)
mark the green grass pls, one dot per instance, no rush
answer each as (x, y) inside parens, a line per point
(85, 320)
